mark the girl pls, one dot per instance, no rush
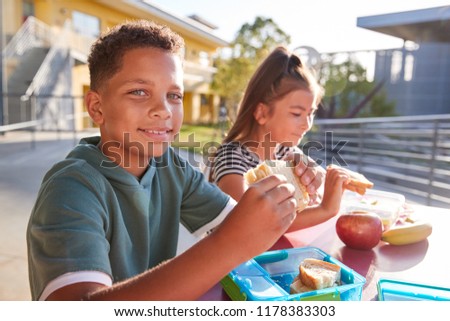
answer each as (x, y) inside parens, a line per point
(277, 110)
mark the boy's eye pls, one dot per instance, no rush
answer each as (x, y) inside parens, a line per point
(175, 96)
(138, 92)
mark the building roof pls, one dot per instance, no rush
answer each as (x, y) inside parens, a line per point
(190, 26)
(203, 21)
(425, 25)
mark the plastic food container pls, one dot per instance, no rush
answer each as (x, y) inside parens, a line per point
(393, 290)
(387, 205)
(268, 277)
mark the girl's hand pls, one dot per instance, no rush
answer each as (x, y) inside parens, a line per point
(311, 175)
(336, 180)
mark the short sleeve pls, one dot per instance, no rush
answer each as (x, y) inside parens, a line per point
(232, 158)
(202, 201)
(67, 229)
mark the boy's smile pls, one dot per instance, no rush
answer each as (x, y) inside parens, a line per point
(143, 100)
(157, 135)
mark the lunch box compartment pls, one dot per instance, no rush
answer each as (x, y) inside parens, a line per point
(268, 276)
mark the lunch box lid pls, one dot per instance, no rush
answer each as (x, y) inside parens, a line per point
(397, 290)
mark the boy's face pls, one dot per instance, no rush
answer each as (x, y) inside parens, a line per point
(140, 107)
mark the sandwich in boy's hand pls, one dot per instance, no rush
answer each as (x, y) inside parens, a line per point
(315, 274)
(282, 167)
(358, 182)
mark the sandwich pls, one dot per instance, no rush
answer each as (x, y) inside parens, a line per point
(297, 286)
(315, 274)
(358, 182)
(282, 167)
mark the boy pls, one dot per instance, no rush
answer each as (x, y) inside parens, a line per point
(105, 223)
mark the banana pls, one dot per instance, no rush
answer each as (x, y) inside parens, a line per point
(407, 233)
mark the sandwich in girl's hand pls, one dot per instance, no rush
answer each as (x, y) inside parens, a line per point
(358, 182)
(282, 167)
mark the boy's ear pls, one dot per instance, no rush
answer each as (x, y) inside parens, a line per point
(261, 113)
(94, 107)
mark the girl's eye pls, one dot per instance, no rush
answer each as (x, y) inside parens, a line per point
(296, 114)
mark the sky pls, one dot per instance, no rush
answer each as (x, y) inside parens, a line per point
(325, 25)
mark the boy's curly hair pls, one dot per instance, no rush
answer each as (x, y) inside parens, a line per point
(107, 52)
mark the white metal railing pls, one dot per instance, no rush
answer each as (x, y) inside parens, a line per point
(198, 72)
(64, 120)
(43, 75)
(409, 154)
(33, 32)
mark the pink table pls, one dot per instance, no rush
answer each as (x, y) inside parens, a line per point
(424, 262)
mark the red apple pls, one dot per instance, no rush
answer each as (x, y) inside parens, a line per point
(359, 230)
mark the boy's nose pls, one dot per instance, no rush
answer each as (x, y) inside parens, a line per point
(161, 110)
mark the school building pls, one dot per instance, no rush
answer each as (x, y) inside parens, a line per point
(416, 76)
(45, 44)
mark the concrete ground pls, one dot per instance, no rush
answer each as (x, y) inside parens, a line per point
(22, 167)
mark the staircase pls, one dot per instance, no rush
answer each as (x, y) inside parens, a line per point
(20, 80)
(38, 76)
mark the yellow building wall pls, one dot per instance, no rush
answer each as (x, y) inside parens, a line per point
(187, 107)
(80, 85)
(56, 12)
(12, 17)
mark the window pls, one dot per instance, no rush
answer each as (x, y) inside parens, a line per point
(396, 66)
(27, 9)
(204, 101)
(409, 67)
(86, 24)
(203, 58)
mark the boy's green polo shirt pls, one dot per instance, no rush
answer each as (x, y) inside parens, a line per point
(91, 215)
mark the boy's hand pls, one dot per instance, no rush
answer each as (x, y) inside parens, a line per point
(263, 214)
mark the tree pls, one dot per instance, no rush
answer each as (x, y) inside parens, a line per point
(235, 66)
(349, 94)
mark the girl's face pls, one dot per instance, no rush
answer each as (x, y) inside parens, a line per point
(288, 119)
